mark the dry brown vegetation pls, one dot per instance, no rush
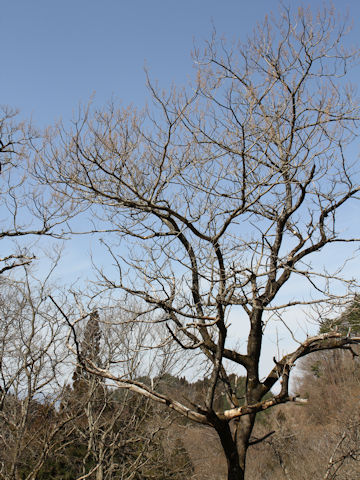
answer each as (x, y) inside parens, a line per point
(209, 205)
(212, 201)
(317, 441)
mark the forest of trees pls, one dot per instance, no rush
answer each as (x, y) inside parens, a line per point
(212, 209)
(88, 430)
(85, 430)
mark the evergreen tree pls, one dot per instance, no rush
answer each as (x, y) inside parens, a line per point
(89, 350)
(346, 323)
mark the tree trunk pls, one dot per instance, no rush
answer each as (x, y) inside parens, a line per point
(235, 444)
(229, 444)
(243, 433)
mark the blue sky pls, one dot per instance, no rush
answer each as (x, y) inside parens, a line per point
(55, 54)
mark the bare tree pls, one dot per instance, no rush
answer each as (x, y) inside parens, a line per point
(346, 452)
(26, 208)
(211, 202)
(117, 434)
(49, 428)
(32, 363)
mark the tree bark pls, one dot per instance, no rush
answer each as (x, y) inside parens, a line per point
(243, 434)
(229, 444)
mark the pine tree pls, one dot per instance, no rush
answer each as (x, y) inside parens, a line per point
(346, 323)
(89, 350)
